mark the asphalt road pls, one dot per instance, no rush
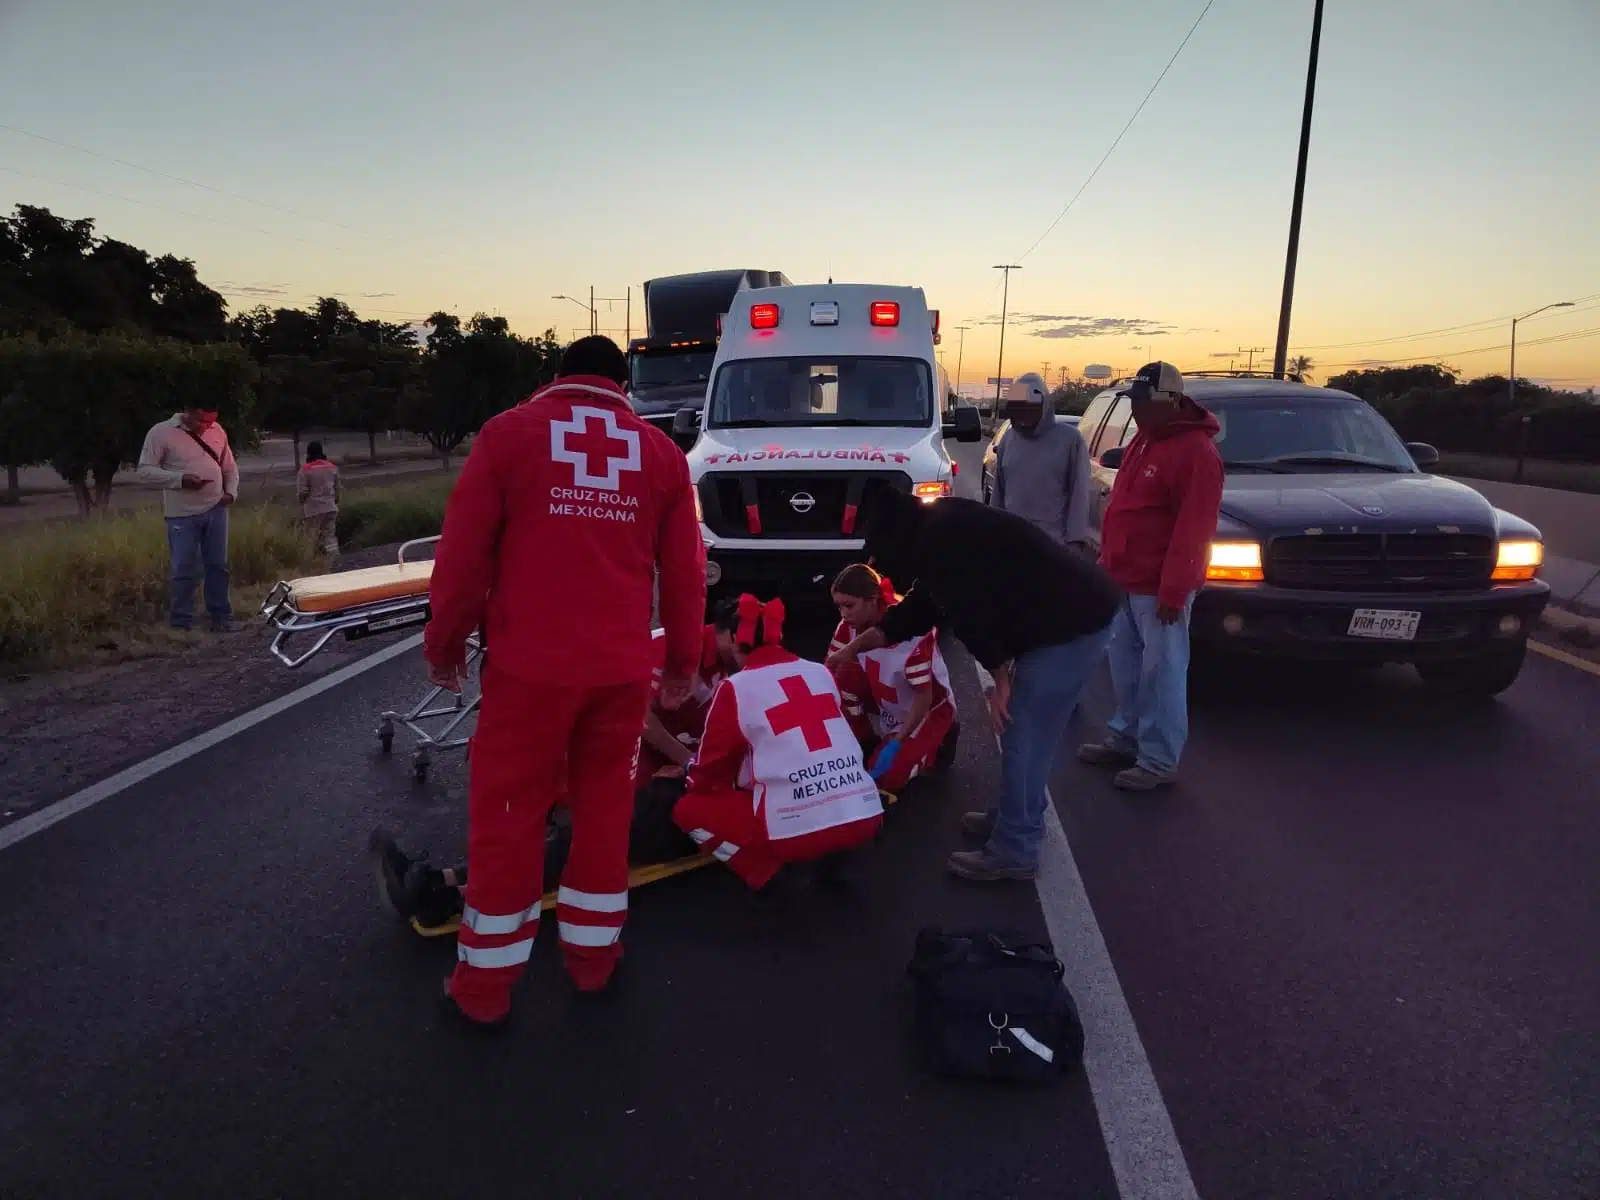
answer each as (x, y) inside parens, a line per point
(1358, 942)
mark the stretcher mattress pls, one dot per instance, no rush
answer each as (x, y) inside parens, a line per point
(348, 589)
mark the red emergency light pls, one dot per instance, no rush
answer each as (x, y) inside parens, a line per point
(885, 312)
(763, 316)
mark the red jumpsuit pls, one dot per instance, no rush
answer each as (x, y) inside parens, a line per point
(566, 509)
(779, 777)
(879, 689)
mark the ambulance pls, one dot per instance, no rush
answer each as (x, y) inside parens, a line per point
(816, 391)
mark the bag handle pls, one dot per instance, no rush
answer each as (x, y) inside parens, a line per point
(204, 445)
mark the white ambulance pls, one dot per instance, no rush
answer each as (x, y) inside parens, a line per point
(816, 391)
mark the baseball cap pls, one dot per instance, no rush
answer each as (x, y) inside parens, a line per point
(1027, 389)
(1154, 377)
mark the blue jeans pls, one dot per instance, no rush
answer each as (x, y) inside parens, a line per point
(1045, 686)
(196, 543)
(1150, 673)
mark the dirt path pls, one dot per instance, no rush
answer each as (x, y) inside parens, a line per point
(62, 731)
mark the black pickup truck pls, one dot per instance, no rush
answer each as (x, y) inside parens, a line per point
(1334, 543)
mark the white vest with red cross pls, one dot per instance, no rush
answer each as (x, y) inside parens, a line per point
(805, 764)
(893, 674)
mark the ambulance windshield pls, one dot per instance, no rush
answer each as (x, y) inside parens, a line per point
(767, 392)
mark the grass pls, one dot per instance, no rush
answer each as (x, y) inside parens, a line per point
(66, 590)
(1540, 472)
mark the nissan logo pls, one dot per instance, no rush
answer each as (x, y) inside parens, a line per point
(802, 502)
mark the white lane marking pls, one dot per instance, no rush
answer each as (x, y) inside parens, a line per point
(1135, 1126)
(26, 827)
(1137, 1130)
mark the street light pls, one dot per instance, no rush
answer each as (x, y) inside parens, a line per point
(1511, 384)
(588, 308)
(961, 347)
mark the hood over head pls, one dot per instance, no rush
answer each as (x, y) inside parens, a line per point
(1027, 395)
(894, 522)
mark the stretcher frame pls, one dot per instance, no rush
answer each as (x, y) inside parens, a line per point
(432, 724)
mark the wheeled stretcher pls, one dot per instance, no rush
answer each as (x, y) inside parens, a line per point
(308, 612)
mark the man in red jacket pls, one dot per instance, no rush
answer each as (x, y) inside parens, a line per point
(568, 506)
(1155, 541)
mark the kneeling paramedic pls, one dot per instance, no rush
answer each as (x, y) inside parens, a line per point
(568, 493)
(778, 778)
(898, 698)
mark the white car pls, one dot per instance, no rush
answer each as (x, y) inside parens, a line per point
(816, 391)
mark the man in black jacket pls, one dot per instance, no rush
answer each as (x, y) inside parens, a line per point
(1035, 615)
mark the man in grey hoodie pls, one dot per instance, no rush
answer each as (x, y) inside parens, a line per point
(1041, 470)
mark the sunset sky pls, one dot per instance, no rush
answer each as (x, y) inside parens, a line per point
(409, 161)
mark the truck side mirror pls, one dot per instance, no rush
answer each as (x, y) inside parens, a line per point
(965, 424)
(1112, 458)
(686, 428)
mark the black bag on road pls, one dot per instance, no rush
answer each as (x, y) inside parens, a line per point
(992, 1006)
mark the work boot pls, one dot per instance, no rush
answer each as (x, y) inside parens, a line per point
(979, 825)
(983, 866)
(1105, 754)
(1142, 779)
(413, 889)
(224, 625)
(448, 1006)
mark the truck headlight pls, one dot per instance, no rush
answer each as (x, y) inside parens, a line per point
(929, 492)
(1237, 562)
(1518, 559)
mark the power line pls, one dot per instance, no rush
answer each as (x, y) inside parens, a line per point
(1124, 132)
(1406, 337)
(39, 137)
(1553, 339)
(83, 187)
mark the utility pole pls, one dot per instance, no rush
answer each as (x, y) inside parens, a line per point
(1250, 362)
(1005, 296)
(1044, 373)
(592, 323)
(961, 347)
(1280, 355)
(629, 317)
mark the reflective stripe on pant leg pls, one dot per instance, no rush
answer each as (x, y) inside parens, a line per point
(592, 901)
(515, 771)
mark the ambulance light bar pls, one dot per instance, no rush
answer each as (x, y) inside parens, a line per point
(763, 316)
(885, 312)
(824, 312)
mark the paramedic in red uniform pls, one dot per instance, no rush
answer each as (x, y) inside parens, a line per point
(778, 777)
(568, 506)
(897, 698)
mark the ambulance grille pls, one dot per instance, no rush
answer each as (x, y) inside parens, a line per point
(790, 504)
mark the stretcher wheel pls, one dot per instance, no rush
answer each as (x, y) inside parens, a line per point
(386, 736)
(420, 763)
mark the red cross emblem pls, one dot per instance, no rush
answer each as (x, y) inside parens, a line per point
(882, 693)
(596, 446)
(805, 710)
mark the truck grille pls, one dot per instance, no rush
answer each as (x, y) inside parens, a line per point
(1381, 561)
(744, 504)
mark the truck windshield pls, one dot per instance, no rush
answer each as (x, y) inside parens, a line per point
(668, 370)
(1289, 435)
(766, 392)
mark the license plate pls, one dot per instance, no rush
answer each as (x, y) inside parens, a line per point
(1388, 624)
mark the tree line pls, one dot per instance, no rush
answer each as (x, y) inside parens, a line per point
(1429, 403)
(99, 340)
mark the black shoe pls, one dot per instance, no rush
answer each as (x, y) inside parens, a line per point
(413, 889)
(225, 625)
(978, 825)
(836, 870)
(452, 1010)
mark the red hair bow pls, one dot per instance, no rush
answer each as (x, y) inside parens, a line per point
(770, 616)
(886, 591)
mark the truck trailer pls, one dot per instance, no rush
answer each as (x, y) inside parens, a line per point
(669, 367)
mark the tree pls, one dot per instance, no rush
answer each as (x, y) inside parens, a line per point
(468, 375)
(1301, 365)
(297, 392)
(21, 426)
(374, 380)
(88, 401)
(56, 275)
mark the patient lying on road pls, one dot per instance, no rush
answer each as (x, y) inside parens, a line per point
(431, 897)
